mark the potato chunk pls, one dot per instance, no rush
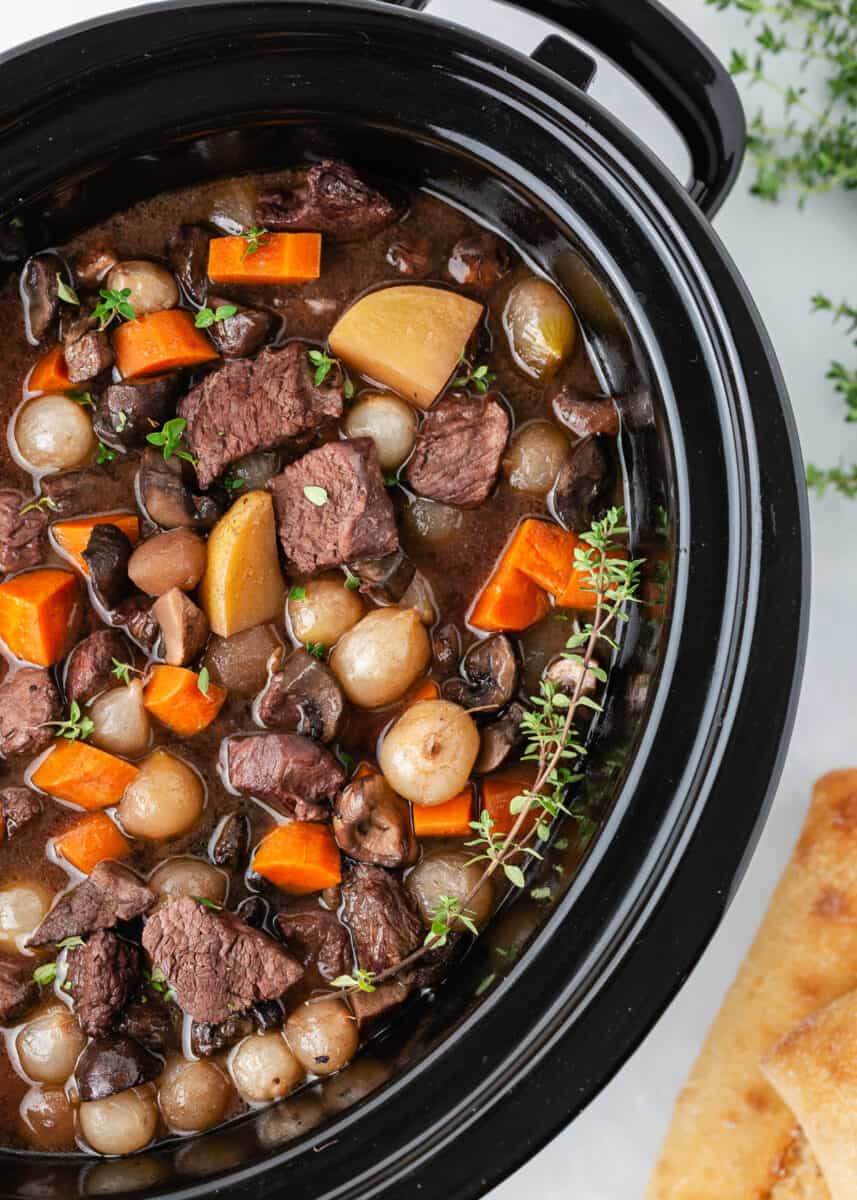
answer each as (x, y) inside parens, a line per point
(243, 585)
(408, 338)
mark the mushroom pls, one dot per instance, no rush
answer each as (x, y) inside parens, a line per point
(167, 499)
(183, 625)
(490, 670)
(113, 1064)
(499, 739)
(302, 696)
(230, 845)
(582, 480)
(446, 646)
(107, 555)
(385, 580)
(565, 673)
(372, 823)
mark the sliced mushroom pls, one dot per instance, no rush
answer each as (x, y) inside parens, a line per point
(446, 647)
(113, 1064)
(302, 696)
(500, 739)
(582, 481)
(183, 625)
(167, 499)
(188, 250)
(107, 555)
(40, 294)
(565, 674)
(372, 823)
(490, 670)
(231, 844)
(128, 412)
(385, 580)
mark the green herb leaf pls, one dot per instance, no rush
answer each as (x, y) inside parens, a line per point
(514, 874)
(34, 505)
(105, 454)
(206, 317)
(66, 292)
(122, 671)
(478, 377)
(316, 649)
(45, 974)
(256, 237)
(363, 980)
(297, 593)
(352, 581)
(202, 681)
(206, 903)
(540, 893)
(391, 481)
(69, 943)
(233, 483)
(315, 495)
(113, 304)
(169, 438)
(76, 727)
(84, 399)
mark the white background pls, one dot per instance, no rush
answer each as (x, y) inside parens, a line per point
(785, 256)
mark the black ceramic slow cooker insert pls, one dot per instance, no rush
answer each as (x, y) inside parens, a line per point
(703, 696)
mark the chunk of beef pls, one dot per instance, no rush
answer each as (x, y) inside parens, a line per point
(113, 1064)
(18, 807)
(107, 555)
(254, 404)
(241, 334)
(458, 450)
(112, 893)
(289, 771)
(40, 294)
(90, 664)
(18, 990)
(136, 617)
(127, 412)
(354, 518)
(478, 261)
(87, 350)
(303, 696)
(188, 252)
(92, 266)
(152, 1024)
(317, 939)
(411, 255)
(28, 700)
(370, 1007)
(104, 975)
(105, 488)
(168, 497)
(331, 199)
(582, 413)
(580, 485)
(22, 535)
(216, 963)
(372, 823)
(231, 844)
(381, 916)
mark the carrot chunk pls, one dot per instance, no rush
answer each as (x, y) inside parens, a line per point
(90, 841)
(299, 858)
(36, 614)
(160, 341)
(544, 552)
(50, 374)
(509, 600)
(427, 690)
(173, 696)
(72, 537)
(84, 775)
(280, 258)
(451, 819)
(498, 792)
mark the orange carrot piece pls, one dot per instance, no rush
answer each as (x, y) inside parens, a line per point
(90, 841)
(509, 600)
(281, 258)
(50, 374)
(37, 612)
(451, 819)
(498, 792)
(84, 775)
(427, 690)
(363, 769)
(299, 858)
(173, 696)
(72, 537)
(544, 552)
(160, 341)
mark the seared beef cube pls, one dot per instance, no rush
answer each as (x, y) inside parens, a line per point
(209, 1037)
(257, 404)
(104, 488)
(18, 990)
(136, 617)
(232, 843)
(28, 701)
(152, 1024)
(104, 974)
(113, 1064)
(87, 350)
(369, 1007)
(458, 450)
(289, 771)
(112, 893)
(107, 555)
(331, 199)
(584, 414)
(128, 412)
(303, 696)
(40, 294)
(18, 807)
(188, 251)
(317, 939)
(379, 912)
(90, 664)
(372, 823)
(217, 964)
(580, 486)
(92, 266)
(22, 535)
(411, 255)
(241, 334)
(332, 507)
(478, 262)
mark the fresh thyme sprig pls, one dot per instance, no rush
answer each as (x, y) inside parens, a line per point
(39, 504)
(256, 237)
(324, 363)
(844, 379)
(75, 726)
(113, 304)
(123, 670)
(170, 437)
(206, 317)
(471, 375)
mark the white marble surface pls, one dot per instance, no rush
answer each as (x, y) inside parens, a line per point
(785, 255)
